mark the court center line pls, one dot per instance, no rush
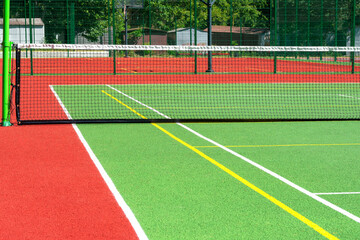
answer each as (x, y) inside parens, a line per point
(284, 180)
(119, 199)
(338, 193)
(278, 203)
(285, 145)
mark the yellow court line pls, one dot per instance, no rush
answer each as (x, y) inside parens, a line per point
(297, 215)
(284, 145)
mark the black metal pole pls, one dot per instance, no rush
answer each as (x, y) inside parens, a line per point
(209, 37)
(209, 5)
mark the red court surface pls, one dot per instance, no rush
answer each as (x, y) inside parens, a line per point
(51, 189)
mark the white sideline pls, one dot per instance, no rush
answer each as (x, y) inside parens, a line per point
(284, 180)
(119, 199)
(337, 193)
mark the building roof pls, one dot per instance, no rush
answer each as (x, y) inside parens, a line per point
(183, 29)
(21, 22)
(244, 30)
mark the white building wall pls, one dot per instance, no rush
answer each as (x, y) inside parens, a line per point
(17, 34)
(183, 37)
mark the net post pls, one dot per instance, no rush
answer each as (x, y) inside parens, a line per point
(17, 84)
(6, 47)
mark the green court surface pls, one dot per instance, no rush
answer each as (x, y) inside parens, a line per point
(269, 180)
(175, 193)
(213, 101)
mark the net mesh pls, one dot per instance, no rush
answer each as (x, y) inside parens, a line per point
(84, 83)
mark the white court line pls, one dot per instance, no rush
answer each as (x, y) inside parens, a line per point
(284, 180)
(119, 199)
(348, 96)
(338, 193)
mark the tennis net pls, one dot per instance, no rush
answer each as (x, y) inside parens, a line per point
(58, 83)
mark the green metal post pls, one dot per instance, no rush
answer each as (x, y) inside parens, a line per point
(195, 26)
(285, 24)
(6, 47)
(336, 26)
(114, 36)
(143, 29)
(321, 27)
(308, 27)
(150, 24)
(25, 24)
(31, 38)
(353, 35)
(241, 36)
(190, 23)
(275, 32)
(72, 22)
(231, 21)
(109, 24)
(33, 22)
(296, 25)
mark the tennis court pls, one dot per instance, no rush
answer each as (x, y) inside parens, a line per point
(228, 180)
(195, 171)
(173, 181)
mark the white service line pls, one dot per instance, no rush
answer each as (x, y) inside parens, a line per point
(348, 96)
(337, 193)
(284, 180)
(119, 199)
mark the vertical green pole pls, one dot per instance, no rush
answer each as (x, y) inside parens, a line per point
(25, 24)
(271, 23)
(353, 33)
(6, 47)
(150, 24)
(231, 22)
(321, 27)
(109, 24)
(72, 22)
(114, 35)
(241, 36)
(31, 37)
(190, 22)
(285, 24)
(308, 27)
(143, 29)
(175, 31)
(296, 25)
(67, 23)
(275, 32)
(33, 22)
(195, 26)
(336, 27)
